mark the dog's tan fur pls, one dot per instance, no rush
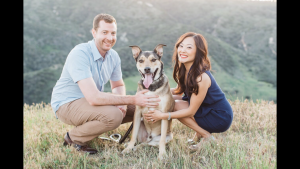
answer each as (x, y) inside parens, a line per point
(158, 133)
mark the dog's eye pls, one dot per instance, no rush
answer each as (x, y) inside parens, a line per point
(141, 61)
(153, 60)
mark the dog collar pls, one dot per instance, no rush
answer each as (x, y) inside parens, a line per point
(155, 84)
(159, 77)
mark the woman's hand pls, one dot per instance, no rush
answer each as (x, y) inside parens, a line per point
(153, 116)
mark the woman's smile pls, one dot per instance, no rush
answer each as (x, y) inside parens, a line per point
(183, 56)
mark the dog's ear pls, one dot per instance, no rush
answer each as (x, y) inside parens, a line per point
(159, 50)
(135, 51)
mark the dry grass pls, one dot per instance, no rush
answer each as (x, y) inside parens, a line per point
(250, 142)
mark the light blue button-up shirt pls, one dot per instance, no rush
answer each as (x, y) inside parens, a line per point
(85, 61)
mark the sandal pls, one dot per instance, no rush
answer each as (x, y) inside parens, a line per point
(194, 140)
(196, 147)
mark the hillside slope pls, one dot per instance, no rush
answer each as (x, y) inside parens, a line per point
(238, 35)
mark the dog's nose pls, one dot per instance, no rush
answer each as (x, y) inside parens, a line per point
(147, 69)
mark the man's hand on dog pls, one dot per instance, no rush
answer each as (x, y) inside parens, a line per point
(153, 116)
(146, 100)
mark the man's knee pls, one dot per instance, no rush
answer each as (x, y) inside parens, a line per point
(114, 117)
(117, 122)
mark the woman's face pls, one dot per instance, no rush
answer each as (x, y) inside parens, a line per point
(186, 50)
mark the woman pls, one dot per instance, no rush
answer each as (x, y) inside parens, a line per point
(206, 110)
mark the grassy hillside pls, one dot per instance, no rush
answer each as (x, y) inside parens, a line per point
(250, 142)
(238, 34)
(232, 87)
(38, 84)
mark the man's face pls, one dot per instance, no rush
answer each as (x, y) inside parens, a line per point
(105, 36)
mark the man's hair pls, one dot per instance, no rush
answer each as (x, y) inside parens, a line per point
(106, 17)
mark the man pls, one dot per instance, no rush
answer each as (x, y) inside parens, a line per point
(78, 98)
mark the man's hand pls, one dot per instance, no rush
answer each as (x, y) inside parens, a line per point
(123, 108)
(146, 100)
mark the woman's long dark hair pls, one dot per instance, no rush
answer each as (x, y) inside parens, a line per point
(201, 59)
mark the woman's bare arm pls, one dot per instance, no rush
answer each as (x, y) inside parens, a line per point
(195, 102)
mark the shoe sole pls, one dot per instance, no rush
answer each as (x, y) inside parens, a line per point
(65, 144)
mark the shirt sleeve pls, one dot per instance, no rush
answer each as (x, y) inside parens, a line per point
(117, 73)
(78, 65)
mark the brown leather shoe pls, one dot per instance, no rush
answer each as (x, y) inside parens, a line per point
(67, 139)
(78, 147)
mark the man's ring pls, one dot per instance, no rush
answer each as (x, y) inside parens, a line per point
(151, 119)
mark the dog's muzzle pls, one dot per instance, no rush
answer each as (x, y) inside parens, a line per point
(148, 76)
(147, 69)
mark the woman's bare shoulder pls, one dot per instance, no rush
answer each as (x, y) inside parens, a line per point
(205, 79)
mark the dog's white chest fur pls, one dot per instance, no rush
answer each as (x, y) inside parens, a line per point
(162, 100)
(154, 129)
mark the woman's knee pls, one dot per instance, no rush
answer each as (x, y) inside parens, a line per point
(177, 97)
(180, 104)
(182, 120)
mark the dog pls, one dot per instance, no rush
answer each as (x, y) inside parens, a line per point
(157, 134)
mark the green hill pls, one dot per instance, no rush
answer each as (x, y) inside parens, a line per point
(241, 38)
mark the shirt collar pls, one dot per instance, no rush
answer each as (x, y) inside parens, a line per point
(96, 53)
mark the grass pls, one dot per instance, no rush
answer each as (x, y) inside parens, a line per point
(250, 142)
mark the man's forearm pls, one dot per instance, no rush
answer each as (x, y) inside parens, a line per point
(120, 90)
(112, 99)
(103, 98)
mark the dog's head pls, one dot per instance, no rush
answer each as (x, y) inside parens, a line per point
(149, 63)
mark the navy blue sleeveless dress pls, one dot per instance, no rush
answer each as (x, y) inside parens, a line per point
(214, 114)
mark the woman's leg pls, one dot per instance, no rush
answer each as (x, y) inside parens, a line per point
(190, 121)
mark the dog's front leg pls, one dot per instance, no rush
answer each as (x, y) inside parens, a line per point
(136, 125)
(162, 142)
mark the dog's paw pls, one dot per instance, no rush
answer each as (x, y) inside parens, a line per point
(134, 148)
(127, 150)
(162, 155)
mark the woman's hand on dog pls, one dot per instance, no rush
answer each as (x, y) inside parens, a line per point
(154, 115)
(146, 100)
